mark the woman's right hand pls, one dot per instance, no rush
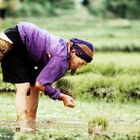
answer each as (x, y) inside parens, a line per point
(67, 100)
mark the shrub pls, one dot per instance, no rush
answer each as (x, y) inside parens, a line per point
(134, 93)
(48, 136)
(102, 93)
(6, 134)
(43, 7)
(115, 8)
(36, 9)
(96, 86)
(118, 48)
(69, 4)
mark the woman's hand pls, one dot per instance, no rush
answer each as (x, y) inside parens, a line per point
(67, 100)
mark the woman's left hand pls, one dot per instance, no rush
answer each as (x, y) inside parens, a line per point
(67, 100)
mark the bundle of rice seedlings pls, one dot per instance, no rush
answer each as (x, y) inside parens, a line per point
(97, 126)
(66, 87)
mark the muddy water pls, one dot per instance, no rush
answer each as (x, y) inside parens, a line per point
(70, 126)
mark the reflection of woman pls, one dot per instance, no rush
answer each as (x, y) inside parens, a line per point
(38, 59)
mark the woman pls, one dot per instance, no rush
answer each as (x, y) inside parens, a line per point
(36, 60)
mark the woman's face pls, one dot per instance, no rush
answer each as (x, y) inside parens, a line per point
(75, 61)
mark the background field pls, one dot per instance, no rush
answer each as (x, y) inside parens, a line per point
(109, 87)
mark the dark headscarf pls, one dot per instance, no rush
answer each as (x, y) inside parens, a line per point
(83, 49)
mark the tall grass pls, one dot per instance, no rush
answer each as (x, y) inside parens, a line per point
(120, 87)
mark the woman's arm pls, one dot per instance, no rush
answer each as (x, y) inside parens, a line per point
(67, 100)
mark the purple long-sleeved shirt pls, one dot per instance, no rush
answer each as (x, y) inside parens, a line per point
(39, 43)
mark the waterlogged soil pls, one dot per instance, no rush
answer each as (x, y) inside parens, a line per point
(73, 126)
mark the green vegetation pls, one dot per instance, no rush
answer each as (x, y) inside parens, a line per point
(107, 78)
(39, 7)
(97, 125)
(6, 134)
(107, 90)
(103, 8)
(119, 120)
(43, 135)
(114, 8)
(65, 86)
(108, 35)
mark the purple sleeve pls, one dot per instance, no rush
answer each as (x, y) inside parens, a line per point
(54, 70)
(53, 93)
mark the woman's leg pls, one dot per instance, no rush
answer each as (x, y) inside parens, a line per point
(21, 105)
(21, 94)
(32, 104)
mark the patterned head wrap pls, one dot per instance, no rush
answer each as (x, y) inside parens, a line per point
(83, 49)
